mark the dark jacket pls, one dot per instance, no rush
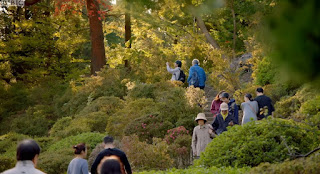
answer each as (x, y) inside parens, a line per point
(109, 152)
(264, 101)
(234, 111)
(220, 125)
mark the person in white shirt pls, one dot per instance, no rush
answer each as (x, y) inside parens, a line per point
(175, 71)
(27, 156)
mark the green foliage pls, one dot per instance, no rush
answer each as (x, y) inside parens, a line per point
(6, 163)
(53, 162)
(270, 140)
(148, 127)
(91, 140)
(147, 156)
(200, 170)
(265, 72)
(308, 165)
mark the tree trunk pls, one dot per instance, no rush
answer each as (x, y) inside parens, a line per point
(30, 2)
(98, 57)
(205, 31)
(127, 34)
(234, 30)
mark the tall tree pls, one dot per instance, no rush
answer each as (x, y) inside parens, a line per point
(98, 59)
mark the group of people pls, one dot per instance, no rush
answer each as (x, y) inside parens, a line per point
(197, 76)
(109, 161)
(225, 113)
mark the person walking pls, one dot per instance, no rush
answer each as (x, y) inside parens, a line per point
(223, 119)
(27, 156)
(79, 165)
(197, 76)
(250, 109)
(215, 105)
(265, 104)
(175, 71)
(202, 135)
(233, 107)
(111, 152)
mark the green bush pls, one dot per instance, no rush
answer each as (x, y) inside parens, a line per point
(57, 129)
(144, 156)
(265, 72)
(308, 165)
(6, 163)
(147, 127)
(91, 139)
(131, 111)
(142, 90)
(53, 162)
(200, 170)
(105, 104)
(270, 140)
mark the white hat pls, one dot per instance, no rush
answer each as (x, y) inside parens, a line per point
(224, 106)
(201, 116)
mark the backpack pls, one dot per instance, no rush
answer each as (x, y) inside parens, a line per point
(194, 79)
(182, 77)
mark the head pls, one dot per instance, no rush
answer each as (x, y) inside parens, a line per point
(195, 62)
(259, 91)
(110, 166)
(224, 97)
(201, 119)
(218, 95)
(80, 149)
(178, 63)
(108, 142)
(248, 97)
(224, 108)
(28, 150)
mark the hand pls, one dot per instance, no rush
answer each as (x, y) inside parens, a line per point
(167, 63)
(194, 154)
(231, 123)
(210, 131)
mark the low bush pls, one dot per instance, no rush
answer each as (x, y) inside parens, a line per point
(144, 156)
(6, 163)
(200, 170)
(270, 140)
(147, 127)
(53, 162)
(308, 165)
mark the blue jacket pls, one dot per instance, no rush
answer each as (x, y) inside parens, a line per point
(201, 74)
(233, 110)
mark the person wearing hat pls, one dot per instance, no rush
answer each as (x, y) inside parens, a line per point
(233, 107)
(176, 71)
(223, 119)
(202, 135)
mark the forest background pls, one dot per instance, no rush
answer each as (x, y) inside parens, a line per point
(74, 71)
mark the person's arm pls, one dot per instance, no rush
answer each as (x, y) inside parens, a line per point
(194, 142)
(212, 109)
(126, 164)
(85, 169)
(212, 135)
(215, 124)
(236, 114)
(190, 74)
(171, 70)
(96, 163)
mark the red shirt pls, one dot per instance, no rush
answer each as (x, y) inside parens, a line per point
(215, 107)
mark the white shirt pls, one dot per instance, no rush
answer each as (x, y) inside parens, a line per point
(23, 167)
(175, 73)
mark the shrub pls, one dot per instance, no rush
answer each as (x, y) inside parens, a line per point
(200, 170)
(6, 163)
(142, 90)
(147, 127)
(270, 140)
(265, 72)
(131, 111)
(144, 156)
(308, 165)
(57, 129)
(59, 154)
(179, 142)
(91, 139)
(105, 104)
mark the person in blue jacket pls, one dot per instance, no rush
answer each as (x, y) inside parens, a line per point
(197, 76)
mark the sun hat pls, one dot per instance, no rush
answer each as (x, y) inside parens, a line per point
(224, 106)
(201, 116)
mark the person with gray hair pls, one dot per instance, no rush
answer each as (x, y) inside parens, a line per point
(27, 156)
(197, 76)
